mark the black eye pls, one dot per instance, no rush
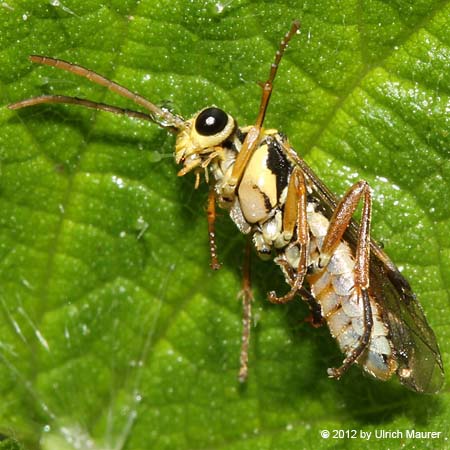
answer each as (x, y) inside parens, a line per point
(211, 121)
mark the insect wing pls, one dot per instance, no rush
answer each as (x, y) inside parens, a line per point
(416, 351)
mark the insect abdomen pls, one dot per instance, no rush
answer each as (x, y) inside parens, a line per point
(333, 289)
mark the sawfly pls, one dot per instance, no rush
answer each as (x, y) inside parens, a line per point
(327, 258)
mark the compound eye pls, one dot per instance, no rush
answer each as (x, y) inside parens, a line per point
(211, 121)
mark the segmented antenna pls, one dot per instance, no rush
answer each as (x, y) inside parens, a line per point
(162, 117)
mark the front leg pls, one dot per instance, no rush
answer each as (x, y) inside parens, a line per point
(211, 213)
(254, 133)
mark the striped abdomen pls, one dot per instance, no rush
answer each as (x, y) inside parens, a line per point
(333, 289)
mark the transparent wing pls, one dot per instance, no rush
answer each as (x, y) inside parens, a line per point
(415, 348)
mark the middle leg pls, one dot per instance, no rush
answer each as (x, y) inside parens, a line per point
(295, 219)
(247, 299)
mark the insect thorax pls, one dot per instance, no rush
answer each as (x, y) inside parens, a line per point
(258, 200)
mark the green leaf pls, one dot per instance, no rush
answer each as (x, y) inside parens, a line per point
(114, 333)
(10, 444)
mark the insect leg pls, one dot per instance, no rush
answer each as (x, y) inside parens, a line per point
(252, 139)
(341, 219)
(338, 224)
(295, 215)
(316, 319)
(247, 298)
(211, 213)
(268, 85)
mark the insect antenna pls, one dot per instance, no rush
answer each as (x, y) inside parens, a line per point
(162, 117)
(82, 102)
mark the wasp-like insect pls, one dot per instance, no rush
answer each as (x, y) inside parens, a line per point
(326, 257)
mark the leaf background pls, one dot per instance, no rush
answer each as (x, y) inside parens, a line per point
(114, 332)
